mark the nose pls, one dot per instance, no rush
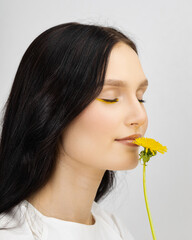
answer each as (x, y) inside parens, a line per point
(136, 115)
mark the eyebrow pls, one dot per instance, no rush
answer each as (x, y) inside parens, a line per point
(120, 83)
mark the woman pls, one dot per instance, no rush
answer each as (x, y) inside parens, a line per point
(77, 91)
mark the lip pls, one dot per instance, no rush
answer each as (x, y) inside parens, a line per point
(129, 143)
(131, 137)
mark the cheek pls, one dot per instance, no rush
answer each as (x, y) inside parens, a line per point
(94, 125)
(92, 130)
(99, 120)
(90, 135)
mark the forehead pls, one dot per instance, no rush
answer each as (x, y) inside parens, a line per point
(124, 67)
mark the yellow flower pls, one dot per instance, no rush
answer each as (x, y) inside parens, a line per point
(151, 144)
(150, 148)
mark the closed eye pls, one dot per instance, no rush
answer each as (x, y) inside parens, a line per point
(116, 100)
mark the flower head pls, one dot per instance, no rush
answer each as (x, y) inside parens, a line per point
(150, 148)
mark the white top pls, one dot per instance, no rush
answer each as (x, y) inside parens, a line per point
(31, 224)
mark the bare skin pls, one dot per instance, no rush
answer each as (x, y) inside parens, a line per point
(89, 147)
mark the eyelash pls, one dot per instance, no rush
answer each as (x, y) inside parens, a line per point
(115, 100)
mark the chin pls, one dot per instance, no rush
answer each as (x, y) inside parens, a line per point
(133, 165)
(130, 166)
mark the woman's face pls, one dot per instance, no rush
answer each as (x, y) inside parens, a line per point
(90, 138)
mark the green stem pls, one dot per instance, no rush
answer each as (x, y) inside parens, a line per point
(147, 205)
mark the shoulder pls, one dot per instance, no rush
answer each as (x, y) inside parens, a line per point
(114, 221)
(13, 225)
(14, 234)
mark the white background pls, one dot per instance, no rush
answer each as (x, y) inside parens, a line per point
(162, 31)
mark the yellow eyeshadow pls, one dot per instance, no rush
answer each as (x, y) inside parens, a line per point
(101, 100)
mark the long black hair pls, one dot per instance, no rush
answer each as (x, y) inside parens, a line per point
(59, 75)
